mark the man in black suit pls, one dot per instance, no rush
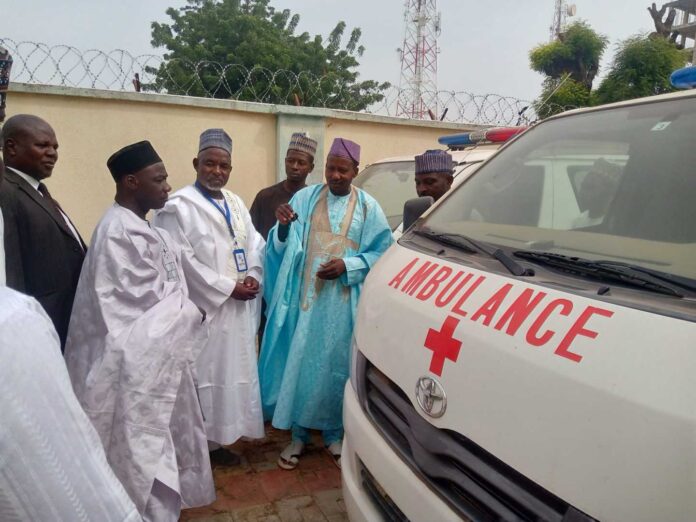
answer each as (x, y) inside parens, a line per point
(43, 250)
(5, 68)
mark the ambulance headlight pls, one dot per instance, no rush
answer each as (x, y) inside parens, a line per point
(358, 372)
(354, 365)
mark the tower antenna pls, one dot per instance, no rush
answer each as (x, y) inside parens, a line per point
(418, 80)
(562, 10)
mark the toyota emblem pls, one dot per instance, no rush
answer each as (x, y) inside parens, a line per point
(431, 397)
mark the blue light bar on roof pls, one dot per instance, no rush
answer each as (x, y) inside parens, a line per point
(496, 135)
(684, 78)
(459, 140)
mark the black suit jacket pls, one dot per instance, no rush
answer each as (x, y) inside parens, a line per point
(42, 256)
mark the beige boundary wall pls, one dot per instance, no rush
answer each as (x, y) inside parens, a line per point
(91, 124)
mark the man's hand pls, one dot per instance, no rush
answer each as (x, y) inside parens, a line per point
(251, 282)
(244, 292)
(285, 214)
(331, 269)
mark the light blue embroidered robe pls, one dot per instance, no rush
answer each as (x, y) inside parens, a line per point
(305, 356)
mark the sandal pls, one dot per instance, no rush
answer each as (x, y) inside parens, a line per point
(290, 456)
(334, 450)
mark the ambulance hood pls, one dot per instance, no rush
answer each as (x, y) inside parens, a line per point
(594, 402)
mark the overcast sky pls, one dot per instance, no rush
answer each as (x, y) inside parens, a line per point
(484, 45)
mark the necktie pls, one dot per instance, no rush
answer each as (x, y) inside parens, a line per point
(47, 195)
(52, 203)
(55, 207)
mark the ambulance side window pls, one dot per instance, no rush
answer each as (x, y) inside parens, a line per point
(390, 184)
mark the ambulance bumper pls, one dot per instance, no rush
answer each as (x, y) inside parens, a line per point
(377, 484)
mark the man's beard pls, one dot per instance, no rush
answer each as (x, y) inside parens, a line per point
(214, 185)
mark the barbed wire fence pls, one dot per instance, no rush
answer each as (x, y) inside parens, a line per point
(119, 70)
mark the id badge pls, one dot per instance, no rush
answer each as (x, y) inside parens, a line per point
(170, 266)
(240, 259)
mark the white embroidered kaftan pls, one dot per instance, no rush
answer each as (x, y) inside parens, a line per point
(228, 383)
(133, 339)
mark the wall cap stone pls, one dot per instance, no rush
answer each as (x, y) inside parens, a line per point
(242, 106)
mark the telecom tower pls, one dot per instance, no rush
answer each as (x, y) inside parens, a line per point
(561, 11)
(418, 81)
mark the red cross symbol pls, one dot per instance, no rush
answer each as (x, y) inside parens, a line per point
(443, 345)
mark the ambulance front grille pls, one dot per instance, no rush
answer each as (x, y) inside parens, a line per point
(475, 484)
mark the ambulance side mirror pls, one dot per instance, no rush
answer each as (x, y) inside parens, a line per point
(414, 208)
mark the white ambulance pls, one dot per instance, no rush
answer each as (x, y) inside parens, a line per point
(527, 350)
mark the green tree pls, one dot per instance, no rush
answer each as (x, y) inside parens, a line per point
(247, 50)
(570, 65)
(642, 66)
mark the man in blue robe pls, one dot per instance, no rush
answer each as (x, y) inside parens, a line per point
(318, 254)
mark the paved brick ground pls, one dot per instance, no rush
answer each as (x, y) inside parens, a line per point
(257, 490)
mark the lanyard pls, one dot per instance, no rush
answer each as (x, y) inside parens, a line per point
(224, 211)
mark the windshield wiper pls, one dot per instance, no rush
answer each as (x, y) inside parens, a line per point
(683, 282)
(472, 246)
(603, 270)
(447, 239)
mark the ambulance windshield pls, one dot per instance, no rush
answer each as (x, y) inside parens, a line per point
(615, 185)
